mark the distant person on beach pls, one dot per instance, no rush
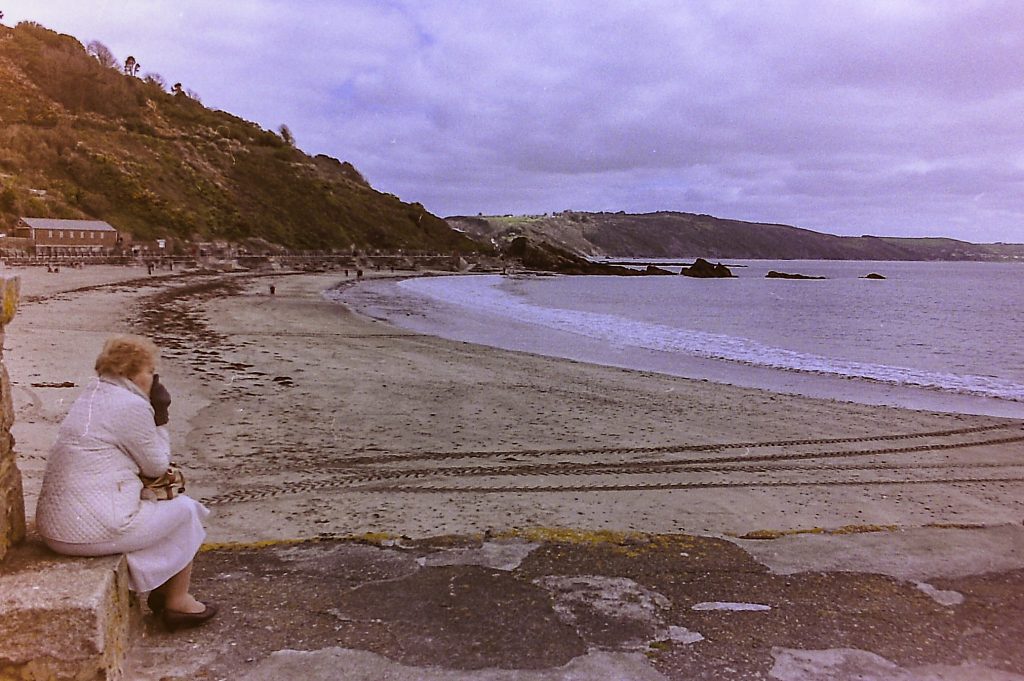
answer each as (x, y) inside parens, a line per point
(91, 500)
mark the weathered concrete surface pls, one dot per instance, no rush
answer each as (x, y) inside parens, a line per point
(358, 665)
(619, 607)
(505, 555)
(64, 618)
(912, 554)
(827, 665)
(12, 504)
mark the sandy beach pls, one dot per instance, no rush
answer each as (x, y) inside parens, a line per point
(295, 418)
(495, 496)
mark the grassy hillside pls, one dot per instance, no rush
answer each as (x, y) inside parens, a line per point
(686, 235)
(79, 139)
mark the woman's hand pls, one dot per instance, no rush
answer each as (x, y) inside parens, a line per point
(161, 401)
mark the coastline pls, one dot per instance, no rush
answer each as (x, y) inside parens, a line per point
(296, 418)
(639, 345)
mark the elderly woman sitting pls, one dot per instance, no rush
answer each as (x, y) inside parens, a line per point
(91, 500)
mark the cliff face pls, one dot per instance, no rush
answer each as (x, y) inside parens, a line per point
(686, 235)
(79, 139)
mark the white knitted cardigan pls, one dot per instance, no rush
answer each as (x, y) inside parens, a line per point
(91, 487)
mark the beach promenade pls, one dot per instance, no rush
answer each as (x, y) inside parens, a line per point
(390, 505)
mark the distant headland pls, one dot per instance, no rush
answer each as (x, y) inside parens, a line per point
(668, 234)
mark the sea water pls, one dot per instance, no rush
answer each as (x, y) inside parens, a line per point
(944, 336)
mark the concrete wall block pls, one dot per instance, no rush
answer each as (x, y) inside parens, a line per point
(10, 293)
(6, 405)
(12, 503)
(72, 619)
(12, 507)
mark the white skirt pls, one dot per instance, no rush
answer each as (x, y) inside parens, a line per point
(164, 537)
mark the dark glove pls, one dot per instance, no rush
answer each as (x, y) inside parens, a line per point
(161, 401)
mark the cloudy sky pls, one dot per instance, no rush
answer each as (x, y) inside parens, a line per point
(889, 117)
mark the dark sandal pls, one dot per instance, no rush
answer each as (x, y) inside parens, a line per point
(174, 620)
(156, 601)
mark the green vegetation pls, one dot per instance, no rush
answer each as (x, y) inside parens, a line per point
(80, 138)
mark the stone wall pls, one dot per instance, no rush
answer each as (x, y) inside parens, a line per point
(12, 502)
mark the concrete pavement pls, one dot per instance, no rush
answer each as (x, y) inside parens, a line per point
(926, 604)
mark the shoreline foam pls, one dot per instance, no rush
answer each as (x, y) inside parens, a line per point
(559, 340)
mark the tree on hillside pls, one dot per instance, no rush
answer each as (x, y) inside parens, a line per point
(178, 89)
(155, 79)
(102, 53)
(131, 67)
(286, 135)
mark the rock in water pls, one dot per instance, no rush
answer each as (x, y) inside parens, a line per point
(873, 275)
(545, 257)
(705, 270)
(785, 275)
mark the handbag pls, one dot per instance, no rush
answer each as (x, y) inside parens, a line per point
(166, 486)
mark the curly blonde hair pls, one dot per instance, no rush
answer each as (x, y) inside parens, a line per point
(126, 356)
